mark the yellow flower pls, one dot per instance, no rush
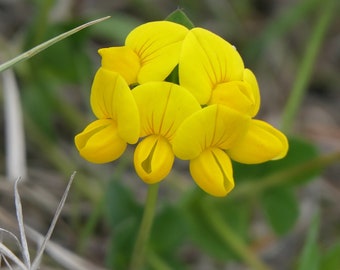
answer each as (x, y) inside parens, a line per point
(213, 71)
(168, 117)
(203, 138)
(261, 143)
(163, 106)
(206, 61)
(242, 95)
(150, 53)
(118, 123)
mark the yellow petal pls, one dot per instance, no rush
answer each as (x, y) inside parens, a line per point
(157, 45)
(153, 159)
(262, 142)
(112, 98)
(249, 77)
(214, 126)
(236, 94)
(162, 107)
(207, 60)
(212, 171)
(122, 60)
(99, 142)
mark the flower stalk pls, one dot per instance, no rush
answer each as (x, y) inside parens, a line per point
(138, 255)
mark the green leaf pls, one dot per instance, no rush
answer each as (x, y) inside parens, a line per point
(66, 61)
(38, 103)
(331, 259)
(121, 204)
(122, 242)
(173, 76)
(310, 257)
(169, 232)
(200, 230)
(281, 209)
(124, 215)
(236, 214)
(165, 237)
(178, 16)
(116, 29)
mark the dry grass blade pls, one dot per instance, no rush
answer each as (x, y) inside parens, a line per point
(61, 255)
(18, 208)
(35, 264)
(0, 253)
(9, 254)
(11, 235)
(6, 262)
(15, 139)
(8, 265)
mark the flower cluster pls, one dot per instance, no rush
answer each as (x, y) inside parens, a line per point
(204, 114)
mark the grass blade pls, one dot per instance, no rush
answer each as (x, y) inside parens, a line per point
(64, 257)
(18, 208)
(28, 54)
(8, 265)
(305, 70)
(2, 231)
(14, 128)
(35, 264)
(310, 257)
(0, 253)
(9, 254)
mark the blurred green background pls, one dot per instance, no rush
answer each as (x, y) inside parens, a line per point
(276, 211)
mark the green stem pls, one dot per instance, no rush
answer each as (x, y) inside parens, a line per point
(156, 262)
(306, 67)
(137, 259)
(284, 176)
(230, 238)
(87, 230)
